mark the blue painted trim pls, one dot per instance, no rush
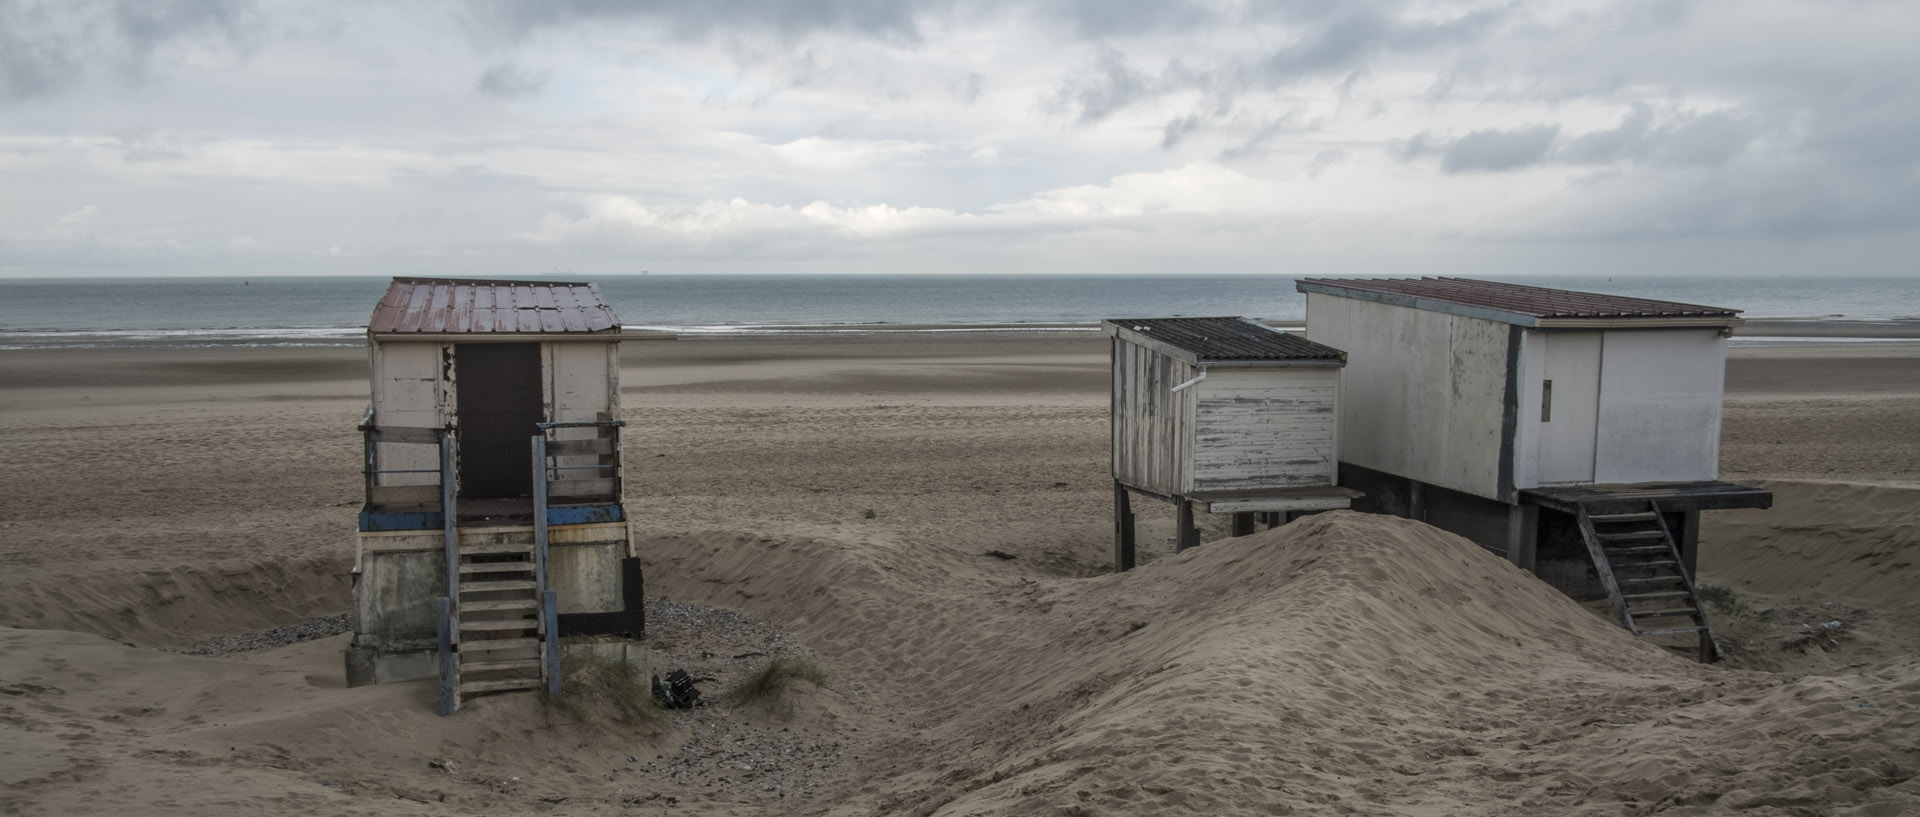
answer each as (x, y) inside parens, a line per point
(431, 520)
(425, 520)
(584, 514)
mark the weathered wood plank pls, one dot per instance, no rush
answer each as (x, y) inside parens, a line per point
(406, 434)
(581, 448)
(581, 487)
(404, 494)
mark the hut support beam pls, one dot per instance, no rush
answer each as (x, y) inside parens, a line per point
(1186, 530)
(1123, 551)
(1523, 535)
(1243, 523)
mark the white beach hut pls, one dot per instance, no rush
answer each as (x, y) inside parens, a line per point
(492, 523)
(1577, 434)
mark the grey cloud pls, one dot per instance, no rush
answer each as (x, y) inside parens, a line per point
(1497, 150)
(1177, 130)
(147, 146)
(46, 46)
(1107, 86)
(1099, 19)
(508, 80)
(968, 90)
(1687, 140)
(882, 18)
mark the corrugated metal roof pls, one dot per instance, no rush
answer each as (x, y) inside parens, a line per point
(1221, 339)
(1517, 299)
(453, 306)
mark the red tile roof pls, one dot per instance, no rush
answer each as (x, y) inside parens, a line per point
(1510, 299)
(450, 306)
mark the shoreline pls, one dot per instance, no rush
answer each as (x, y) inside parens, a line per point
(1785, 331)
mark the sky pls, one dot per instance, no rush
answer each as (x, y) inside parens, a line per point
(219, 137)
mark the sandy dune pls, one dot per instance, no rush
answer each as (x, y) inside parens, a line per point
(1343, 664)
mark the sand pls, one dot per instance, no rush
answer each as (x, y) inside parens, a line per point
(1345, 664)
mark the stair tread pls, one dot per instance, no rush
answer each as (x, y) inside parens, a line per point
(1674, 631)
(495, 586)
(498, 685)
(1632, 535)
(492, 606)
(493, 666)
(497, 567)
(1676, 611)
(1642, 516)
(1666, 594)
(490, 644)
(511, 624)
(1673, 579)
(1637, 550)
(496, 547)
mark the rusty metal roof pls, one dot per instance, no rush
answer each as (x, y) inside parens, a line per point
(453, 306)
(1227, 339)
(1516, 303)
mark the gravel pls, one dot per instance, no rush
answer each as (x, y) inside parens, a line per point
(268, 639)
(719, 753)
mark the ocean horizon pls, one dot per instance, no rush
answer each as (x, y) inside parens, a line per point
(300, 311)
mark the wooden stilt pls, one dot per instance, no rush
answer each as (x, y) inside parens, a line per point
(1523, 529)
(1123, 552)
(1189, 534)
(1243, 523)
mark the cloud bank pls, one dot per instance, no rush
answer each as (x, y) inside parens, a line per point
(507, 136)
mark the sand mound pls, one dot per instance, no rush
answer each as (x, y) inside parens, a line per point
(176, 607)
(1857, 542)
(1346, 661)
(1342, 664)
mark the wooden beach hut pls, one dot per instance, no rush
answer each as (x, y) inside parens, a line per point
(1221, 415)
(1574, 433)
(492, 522)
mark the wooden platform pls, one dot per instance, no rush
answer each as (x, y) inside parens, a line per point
(1632, 497)
(1317, 498)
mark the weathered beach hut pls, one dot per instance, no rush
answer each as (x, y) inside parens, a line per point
(1221, 415)
(492, 523)
(1576, 434)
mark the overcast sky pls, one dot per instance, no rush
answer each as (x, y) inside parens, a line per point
(602, 137)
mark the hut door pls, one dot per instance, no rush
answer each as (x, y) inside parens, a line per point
(497, 388)
(1569, 407)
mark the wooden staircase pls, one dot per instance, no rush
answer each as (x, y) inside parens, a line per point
(498, 622)
(1639, 563)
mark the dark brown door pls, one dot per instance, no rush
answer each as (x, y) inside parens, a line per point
(498, 388)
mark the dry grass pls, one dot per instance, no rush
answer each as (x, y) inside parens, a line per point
(770, 682)
(600, 690)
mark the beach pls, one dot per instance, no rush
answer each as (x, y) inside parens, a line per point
(928, 515)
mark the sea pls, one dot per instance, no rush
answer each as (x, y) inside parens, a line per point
(307, 311)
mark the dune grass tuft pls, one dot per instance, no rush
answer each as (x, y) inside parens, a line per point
(771, 681)
(606, 691)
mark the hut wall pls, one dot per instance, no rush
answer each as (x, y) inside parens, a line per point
(583, 385)
(1265, 428)
(1152, 424)
(1423, 394)
(408, 391)
(1660, 402)
(1627, 405)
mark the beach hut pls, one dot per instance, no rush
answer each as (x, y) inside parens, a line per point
(1221, 415)
(1576, 434)
(492, 523)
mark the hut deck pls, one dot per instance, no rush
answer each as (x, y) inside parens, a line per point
(1308, 498)
(1633, 497)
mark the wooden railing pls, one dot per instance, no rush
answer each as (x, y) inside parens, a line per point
(373, 436)
(599, 480)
